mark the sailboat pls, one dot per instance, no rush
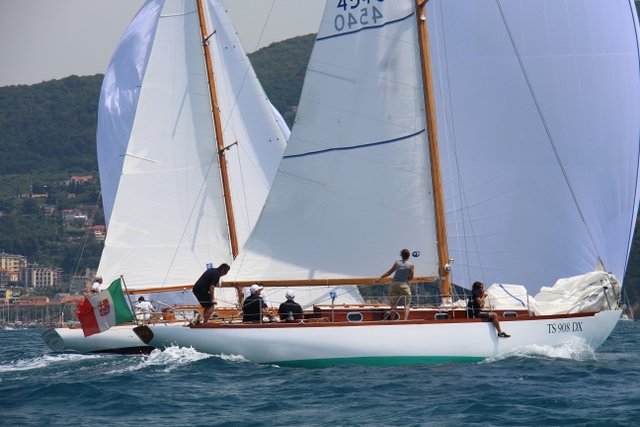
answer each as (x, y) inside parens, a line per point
(533, 181)
(185, 165)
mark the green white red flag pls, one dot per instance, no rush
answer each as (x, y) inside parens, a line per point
(100, 312)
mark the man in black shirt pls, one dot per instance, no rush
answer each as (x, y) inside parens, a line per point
(253, 307)
(290, 307)
(204, 288)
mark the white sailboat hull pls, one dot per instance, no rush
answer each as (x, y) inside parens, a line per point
(118, 339)
(384, 343)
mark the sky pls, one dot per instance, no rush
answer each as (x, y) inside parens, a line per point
(42, 40)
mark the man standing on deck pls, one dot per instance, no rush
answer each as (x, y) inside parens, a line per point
(399, 288)
(204, 288)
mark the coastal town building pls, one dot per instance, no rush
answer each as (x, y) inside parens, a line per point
(12, 262)
(7, 276)
(35, 276)
(69, 215)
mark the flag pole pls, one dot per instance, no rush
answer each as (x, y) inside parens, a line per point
(133, 310)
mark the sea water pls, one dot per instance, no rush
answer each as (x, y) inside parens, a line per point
(570, 385)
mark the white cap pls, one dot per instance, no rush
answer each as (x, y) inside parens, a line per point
(290, 294)
(255, 288)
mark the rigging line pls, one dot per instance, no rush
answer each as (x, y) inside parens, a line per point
(463, 195)
(546, 127)
(82, 248)
(235, 102)
(191, 214)
(634, 18)
(355, 147)
(264, 27)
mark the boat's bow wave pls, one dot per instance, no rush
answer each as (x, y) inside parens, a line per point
(169, 359)
(174, 356)
(575, 349)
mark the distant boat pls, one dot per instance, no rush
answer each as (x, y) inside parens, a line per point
(185, 166)
(537, 108)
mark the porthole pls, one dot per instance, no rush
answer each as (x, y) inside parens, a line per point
(354, 316)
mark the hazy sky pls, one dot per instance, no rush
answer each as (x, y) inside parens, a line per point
(49, 39)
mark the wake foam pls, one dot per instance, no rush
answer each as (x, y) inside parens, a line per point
(232, 358)
(174, 357)
(575, 349)
(44, 361)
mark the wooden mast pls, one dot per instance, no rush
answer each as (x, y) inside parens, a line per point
(218, 130)
(436, 176)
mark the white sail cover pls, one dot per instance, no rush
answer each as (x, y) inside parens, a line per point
(538, 106)
(156, 135)
(354, 186)
(591, 292)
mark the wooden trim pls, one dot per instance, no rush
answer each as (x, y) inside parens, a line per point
(160, 290)
(326, 282)
(233, 237)
(329, 324)
(432, 132)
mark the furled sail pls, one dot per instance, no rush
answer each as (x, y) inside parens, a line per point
(538, 115)
(354, 186)
(157, 148)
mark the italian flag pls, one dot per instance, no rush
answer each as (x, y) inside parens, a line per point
(100, 312)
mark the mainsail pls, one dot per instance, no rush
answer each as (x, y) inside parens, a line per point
(157, 149)
(354, 186)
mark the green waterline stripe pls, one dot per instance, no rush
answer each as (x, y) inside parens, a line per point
(377, 361)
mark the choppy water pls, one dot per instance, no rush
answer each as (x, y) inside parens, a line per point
(538, 386)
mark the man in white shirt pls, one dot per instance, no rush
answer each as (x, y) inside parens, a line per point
(96, 288)
(144, 309)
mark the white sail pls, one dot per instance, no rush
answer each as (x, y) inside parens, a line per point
(119, 98)
(353, 188)
(538, 105)
(168, 219)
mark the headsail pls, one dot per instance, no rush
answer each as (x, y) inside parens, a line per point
(538, 122)
(168, 219)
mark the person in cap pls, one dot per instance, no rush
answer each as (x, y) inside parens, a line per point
(204, 288)
(290, 310)
(253, 306)
(144, 309)
(246, 292)
(96, 288)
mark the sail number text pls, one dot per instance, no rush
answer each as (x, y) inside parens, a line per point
(555, 328)
(353, 15)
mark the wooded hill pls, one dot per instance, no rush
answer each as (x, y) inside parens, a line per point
(47, 134)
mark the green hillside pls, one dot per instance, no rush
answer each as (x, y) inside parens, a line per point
(49, 127)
